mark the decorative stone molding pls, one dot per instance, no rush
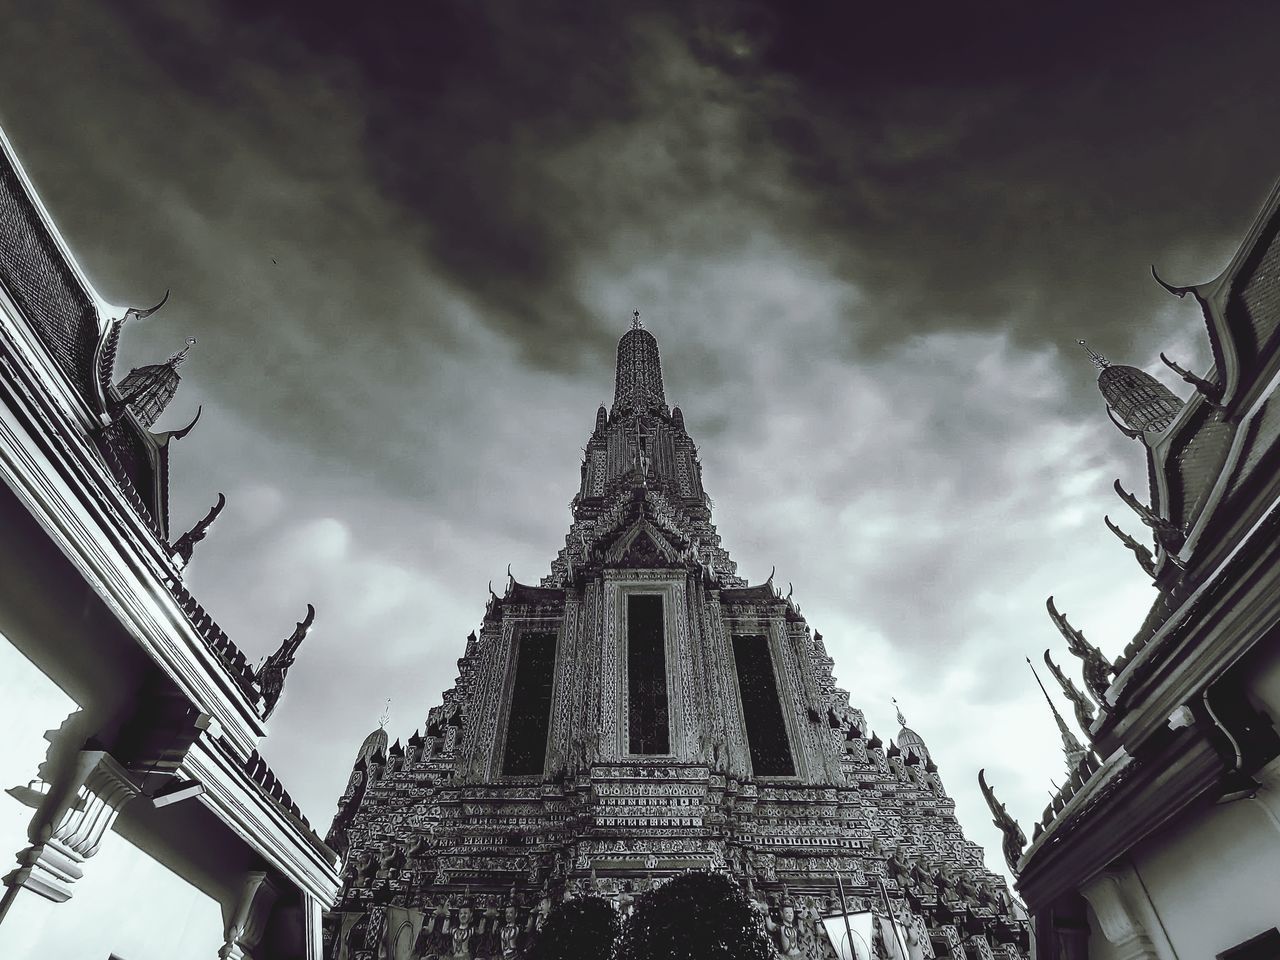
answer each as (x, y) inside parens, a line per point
(1117, 918)
(247, 920)
(69, 823)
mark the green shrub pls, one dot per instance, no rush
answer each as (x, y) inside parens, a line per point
(581, 929)
(697, 916)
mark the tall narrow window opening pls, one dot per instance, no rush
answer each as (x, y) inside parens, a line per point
(647, 675)
(530, 716)
(766, 728)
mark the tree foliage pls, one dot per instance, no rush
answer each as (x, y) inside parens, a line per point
(697, 916)
(581, 929)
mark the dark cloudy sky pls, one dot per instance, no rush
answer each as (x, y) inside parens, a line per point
(407, 237)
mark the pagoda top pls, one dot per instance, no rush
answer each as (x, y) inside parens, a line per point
(638, 381)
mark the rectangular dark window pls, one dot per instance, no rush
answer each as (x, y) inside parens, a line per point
(530, 716)
(647, 675)
(766, 729)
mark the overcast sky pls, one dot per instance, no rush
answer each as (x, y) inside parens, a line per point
(407, 243)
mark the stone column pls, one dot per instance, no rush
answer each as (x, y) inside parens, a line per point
(246, 920)
(1117, 917)
(70, 821)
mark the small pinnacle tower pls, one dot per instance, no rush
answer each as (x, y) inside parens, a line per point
(642, 711)
(1141, 402)
(148, 389)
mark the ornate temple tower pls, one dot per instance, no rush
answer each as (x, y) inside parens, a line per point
(640, 712)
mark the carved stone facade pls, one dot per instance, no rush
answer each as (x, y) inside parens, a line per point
(652, 761)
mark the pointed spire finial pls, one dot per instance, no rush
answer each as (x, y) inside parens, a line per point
(635, 320)
(902, 721)
(386, 715)
(181, 355)
(1099, 360)
(1071, 747)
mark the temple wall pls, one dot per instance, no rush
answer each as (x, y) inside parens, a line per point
(1200, 888)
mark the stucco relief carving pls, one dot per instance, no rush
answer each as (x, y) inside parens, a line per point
(1117, 918)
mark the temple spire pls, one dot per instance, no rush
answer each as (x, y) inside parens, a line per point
(1072, 749)
(147, 390)
(1098, 359)
(638, 381)
(1136, 401)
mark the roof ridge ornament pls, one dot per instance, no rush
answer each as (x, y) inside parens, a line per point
(1142, 554)
(271, 675)
(1175, 290)
(162, 439)
(1167, 533)
(1098, 359)
(1014, 839)
(184, 546)
(1212, 392)
(1098, 670)
(1079, 702)
(141, 313)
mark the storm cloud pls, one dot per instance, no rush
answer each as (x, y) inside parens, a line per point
(407, 239)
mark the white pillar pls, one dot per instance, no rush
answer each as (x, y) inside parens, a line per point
(312, 933)
(246, 921)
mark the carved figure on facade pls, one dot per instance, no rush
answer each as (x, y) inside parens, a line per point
(785, 931)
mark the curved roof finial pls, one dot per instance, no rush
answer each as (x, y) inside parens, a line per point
(1175, 290)
(1099, 360)
(141, 313)
(635, 320)
(902, 721)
